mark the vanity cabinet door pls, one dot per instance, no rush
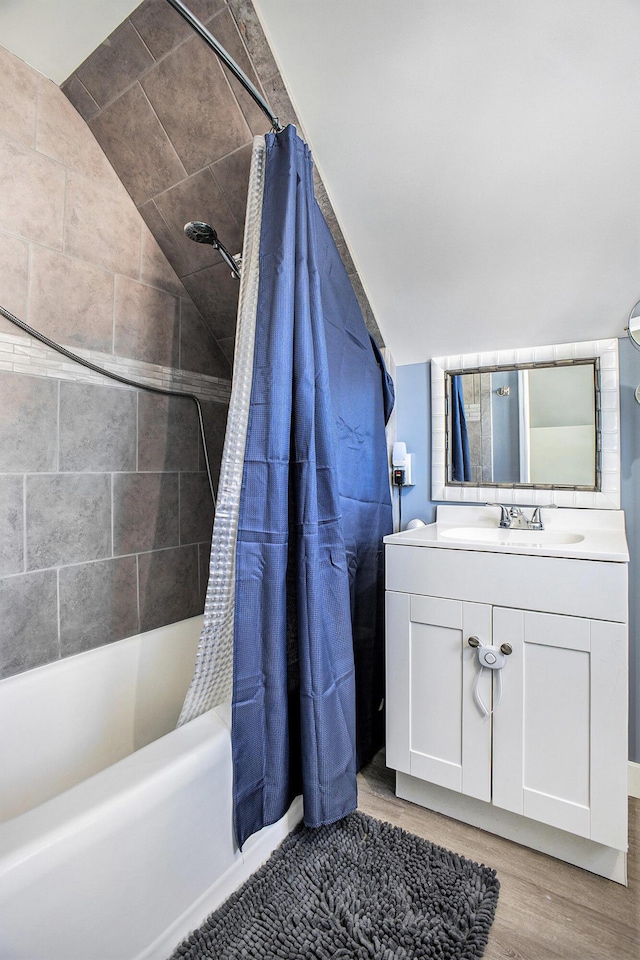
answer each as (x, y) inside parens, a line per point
(434, 730)
(559, 732)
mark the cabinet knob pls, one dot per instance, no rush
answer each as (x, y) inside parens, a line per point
(506, 648)
(473, 642)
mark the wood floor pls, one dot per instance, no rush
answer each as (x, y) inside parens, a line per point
(548, 910)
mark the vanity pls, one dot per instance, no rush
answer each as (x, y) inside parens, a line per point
(506, 652)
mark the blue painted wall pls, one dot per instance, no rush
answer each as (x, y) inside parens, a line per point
(413, 391)
(413, 410)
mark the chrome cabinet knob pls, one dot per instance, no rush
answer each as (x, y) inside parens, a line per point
(473, 642)
(506, 648)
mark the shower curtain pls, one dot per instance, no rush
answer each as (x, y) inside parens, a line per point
(304, 531)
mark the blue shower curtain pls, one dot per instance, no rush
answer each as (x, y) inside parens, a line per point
(294, 686)
(461, 461)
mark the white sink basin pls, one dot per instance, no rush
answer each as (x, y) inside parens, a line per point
(507, 537)
(568, 533)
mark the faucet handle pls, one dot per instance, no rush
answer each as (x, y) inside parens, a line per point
(505, 519)
(536, 517)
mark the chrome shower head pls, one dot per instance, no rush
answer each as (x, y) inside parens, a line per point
(204, 233)
(201, 232)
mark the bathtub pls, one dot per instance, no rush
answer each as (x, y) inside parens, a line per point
(117, 837)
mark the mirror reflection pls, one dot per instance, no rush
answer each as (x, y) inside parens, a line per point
(531, 425)
(634, 324)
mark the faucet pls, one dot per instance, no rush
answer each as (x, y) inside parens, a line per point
(517, 519)
(512, 517)
(506, 514)
(536, 518)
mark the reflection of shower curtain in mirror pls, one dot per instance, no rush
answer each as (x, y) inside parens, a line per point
(460, 460)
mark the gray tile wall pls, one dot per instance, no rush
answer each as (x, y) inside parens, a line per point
(105, 514)
(105, 522)
(177, 128)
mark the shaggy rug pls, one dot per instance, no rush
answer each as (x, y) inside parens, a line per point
(358, 889)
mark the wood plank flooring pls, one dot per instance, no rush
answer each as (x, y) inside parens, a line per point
(548, 910)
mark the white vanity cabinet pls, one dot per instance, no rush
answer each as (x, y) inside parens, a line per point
(548, 767)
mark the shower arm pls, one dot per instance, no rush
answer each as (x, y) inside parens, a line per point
(228, 60)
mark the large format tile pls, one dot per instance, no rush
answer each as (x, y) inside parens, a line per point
(68, 519)
(199, 198)
(224, 29)
(79, 96)
(29, 617)
(115, 65)
(147, 323)
(214, 416)
(171, 246)
(35, 213)
(204, 558)
(63, 135)
(196, 508)
(167, 433)
(228, 346)
(214, 291)
(71, 301)
(155, 269)
(97, 428)
(101, 226)
(11, 524)
(162, 28)
(169, 586)
(199, 350)
(28, 423)
(138, 147)
(246, 17)
(18, 96)
(232, 175)
(98, 604)
(195, 105)
(14, 275)
(145, 512)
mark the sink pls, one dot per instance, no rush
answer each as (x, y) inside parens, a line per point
(569, 533)
(509, 537)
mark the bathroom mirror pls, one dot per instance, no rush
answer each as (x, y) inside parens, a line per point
(634, 325)
(528, 426)
(534, 425)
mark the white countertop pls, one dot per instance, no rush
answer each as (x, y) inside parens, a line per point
(602, 533)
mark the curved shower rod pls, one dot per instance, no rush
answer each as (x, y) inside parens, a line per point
(228, 60)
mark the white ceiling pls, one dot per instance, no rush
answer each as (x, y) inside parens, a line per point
(482, 156)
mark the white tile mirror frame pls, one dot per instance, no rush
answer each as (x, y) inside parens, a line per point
(608, 497)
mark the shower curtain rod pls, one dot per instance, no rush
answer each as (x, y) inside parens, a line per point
(219, 50)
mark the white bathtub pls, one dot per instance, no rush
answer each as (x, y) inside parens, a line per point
(115, 844)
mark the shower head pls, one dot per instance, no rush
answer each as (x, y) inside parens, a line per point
(201, 232)
(204, 233)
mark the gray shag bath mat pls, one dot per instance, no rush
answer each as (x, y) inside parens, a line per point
(358, 889)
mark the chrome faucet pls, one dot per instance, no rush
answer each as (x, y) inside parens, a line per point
(506, 513)
(518, 519)
(512, 517)
(536, 518)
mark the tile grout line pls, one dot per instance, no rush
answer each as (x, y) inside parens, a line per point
(113, 315)
(58, 612)
(58, 398)
(24, 523)
(111, 477)
(137, 556)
